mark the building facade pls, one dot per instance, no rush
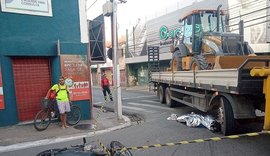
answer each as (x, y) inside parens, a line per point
(256, 19)
(161, 31)
(40, 41)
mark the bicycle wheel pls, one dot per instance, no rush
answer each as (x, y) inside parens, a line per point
(118, 145)
(42, 120)
(74, 116)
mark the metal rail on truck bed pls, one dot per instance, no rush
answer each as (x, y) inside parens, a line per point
(234, 81)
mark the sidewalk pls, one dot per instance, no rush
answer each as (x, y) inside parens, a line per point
(24, 136)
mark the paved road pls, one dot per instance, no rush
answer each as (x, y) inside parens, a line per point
(156, 129)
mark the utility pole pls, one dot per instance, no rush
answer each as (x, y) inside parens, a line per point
(116, 68)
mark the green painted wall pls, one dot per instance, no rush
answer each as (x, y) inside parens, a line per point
(140, 72)
(29, 35)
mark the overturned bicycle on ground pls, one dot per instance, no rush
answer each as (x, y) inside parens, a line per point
(115, 148)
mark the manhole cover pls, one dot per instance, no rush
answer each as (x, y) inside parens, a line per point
(85, 126)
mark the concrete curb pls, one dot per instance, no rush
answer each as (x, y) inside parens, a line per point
(24, 145)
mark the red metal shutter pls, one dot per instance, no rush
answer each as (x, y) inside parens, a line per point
(32, 80)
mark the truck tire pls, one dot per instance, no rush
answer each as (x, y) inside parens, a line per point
(176, 63)
(169, 101)
(161, 94)
(225, 116)
(198, 62)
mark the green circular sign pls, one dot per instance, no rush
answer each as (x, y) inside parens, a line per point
(165, 33)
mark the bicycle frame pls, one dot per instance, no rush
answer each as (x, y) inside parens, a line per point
(43, 117)
(85, 149)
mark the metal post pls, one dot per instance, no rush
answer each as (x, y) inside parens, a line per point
(263, 72)
(90, 79)
(241, 31)
(134, 40)
(126, 51)
(116, 72)
(218, 17)
(266, 83)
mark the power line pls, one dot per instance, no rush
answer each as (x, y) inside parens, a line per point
(261, 9)
(254, 19)
(252, 25)
(238, 5)
(91, 5)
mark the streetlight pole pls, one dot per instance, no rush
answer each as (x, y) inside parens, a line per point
(116, 71)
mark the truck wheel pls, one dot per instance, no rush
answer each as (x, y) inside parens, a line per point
(198, 62)
(169, 101)
(225, 117)
(161, 94)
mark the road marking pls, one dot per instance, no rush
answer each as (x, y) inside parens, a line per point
(151, 101)
(152, 106)
(139, 109)
(138, 97)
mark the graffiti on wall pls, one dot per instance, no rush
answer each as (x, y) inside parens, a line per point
(257, 34)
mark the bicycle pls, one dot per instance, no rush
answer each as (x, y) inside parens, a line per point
(87, 149)
(44, 117)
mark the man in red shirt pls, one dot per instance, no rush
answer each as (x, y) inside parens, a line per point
(105, 85)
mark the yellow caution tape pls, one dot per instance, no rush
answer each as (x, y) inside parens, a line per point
(104, 148)
(196, 141)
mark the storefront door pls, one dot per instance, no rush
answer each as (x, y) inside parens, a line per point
(32, 80)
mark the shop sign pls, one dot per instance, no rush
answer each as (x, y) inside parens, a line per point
(167, 36)
(31, 7)
(75, 68)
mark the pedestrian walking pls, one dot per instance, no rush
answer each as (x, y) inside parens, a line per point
(63, 100)
(105, 85)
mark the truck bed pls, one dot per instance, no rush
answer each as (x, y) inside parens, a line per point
(234, 81)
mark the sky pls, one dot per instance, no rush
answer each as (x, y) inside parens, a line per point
(128, 13)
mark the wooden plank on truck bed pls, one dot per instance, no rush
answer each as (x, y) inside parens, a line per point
(185, 78)
(165, 77)
(225, 79)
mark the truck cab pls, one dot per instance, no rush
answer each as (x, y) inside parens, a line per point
(199, 23)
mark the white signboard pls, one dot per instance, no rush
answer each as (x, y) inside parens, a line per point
(31, 7)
